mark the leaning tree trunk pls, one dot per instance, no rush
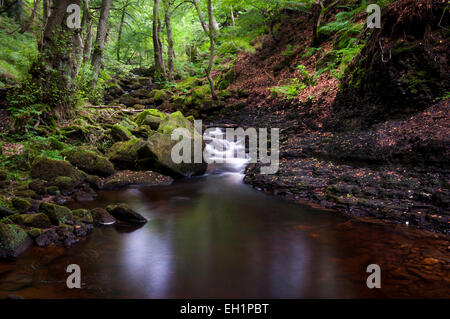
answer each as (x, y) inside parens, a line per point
(52, 70)
(171, 52)
(211, 53)
(99, 46)
(200, 16)
(160, 69)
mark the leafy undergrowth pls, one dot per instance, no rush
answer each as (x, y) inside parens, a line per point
(17, 51)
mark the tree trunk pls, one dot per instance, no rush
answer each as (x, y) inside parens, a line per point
(160, 69)
(46, 10)
(211, 52)
(100, 40)
(232, 16)
(200, 16)
(29, 23)
(52, 71)
(119, 36)
(171, 52)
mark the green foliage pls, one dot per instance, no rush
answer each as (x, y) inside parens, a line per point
(83, 82)
(17, 51)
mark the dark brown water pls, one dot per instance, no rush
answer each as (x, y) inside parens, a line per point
(214, 237)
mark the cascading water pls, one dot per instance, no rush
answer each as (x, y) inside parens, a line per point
(224, 155)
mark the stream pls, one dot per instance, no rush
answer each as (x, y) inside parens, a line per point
(215, 237)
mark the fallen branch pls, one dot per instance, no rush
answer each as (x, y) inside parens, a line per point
(113, 107)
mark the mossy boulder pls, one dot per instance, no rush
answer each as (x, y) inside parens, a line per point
(49, 169)
(159, 96)
(13, 240)
(125, 154)
(38, 186)
(124, 178)
(22, 205)
(125, 213)
(39, 220)
(83, 215)
(102, 217)
(157, 154)
(120, 133)
(65, 184)
(57, 214)
(90, 161)
(141, 93)
(174, 121)
(150, 117)
(128, 100)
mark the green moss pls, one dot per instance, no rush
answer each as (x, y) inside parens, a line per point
(22, 205)
(141, 117)
(83, 215)
(49, 169)
(57, 214)
(120, 133)
(11, 236)
(89, 161)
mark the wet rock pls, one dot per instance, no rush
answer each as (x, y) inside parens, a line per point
(125, 213)
(102, 217)
(83, 215)
(83, 196)
(57, 214)
(13, 241)
(82, 229)
(94, 181)
(39, 220)
(66, 235)
(125, 178)
(90, 161)
(48, 237)
(156, 154)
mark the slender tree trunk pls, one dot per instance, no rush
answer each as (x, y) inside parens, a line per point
(100, 40)
(119, 36)
(200, 16)
(232, 16)
(211, 52)
(160, 69)
(170, 52)
(29, 23)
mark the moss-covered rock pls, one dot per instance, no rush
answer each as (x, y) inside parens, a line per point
(65, 184)
(125, 154)
(128, 100)
(102, 217)
(27, 193)
(125, 178)
(49, 169)
(89, 161)
(57, 214)
(13, 240)
(34, 232)
(125, 213)
(174, 121)
(150, 117)
(223, 81)
(159, 96)
(22, 205)
(157, 154)
(82, 215)
(120, 133)
(39, 220)
(38, 186)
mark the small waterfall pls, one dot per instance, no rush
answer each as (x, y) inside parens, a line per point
(227, 156)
